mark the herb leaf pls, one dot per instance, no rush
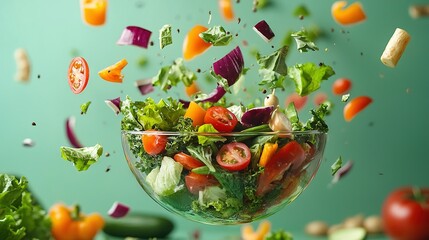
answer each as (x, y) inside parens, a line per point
(84, 107)
(303, 42)
(165, 36)
(273, 68)
(308, 76)
(82, 158)
(217, 36)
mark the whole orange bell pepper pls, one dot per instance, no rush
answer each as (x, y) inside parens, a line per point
(68, 223)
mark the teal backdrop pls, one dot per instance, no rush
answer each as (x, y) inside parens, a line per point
(387, 141)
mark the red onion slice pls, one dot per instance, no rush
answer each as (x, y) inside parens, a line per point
(342, 171)
(263, 29)
(114, 104)
(133, 35)
(70, 123)
(214, 96)
(145, 86)
(118, 210)
(230, 66)
(257, 116)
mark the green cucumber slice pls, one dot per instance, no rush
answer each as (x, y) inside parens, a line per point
(356, 233)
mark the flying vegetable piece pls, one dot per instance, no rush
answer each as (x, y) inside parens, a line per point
(114, 104)
(113, 73)
(78, 74)
(355, 106)
(350, 15)
(70, 124)
(395, 48)
(82, 158)
(84, 107)
(194, 45)
(118, 210)
(71, 223)
(247, 232)
(341, 171)
(226, 11)
(341, 86)
(217, 36)
(94, 12)
(165, 37)
(145, 86)
(22, 65)
(418, 11)
(134, 35)
(264, 30)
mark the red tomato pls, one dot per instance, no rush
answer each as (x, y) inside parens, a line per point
(196, 182)
(221, 118)
(297, 100)
(233, 156)
(405, 214)
(78, 74)
(187, 161)
(291, 153)
(352, 108)
(154, 144)
(320, 98)
(341, 86)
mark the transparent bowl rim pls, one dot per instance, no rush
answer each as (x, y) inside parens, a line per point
(232, 134)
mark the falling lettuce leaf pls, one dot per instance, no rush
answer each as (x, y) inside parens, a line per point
(308, 76)
(303, 42)
(273, 68)
(345, 97)
(165, 36)
(336, 166)
(301, 10)
(217, 36)
(84, 107)
(169, 76)
(82, 158)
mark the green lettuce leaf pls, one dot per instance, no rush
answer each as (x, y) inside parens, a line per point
(129, 109)
(279, 235)
(209, 139)
(273, 68)
(82, 158)
(308, 76)
(204, 154)
(213, 200)
(303, 42)
(336, 166)
(169, 76)
(165, 36)
(217, 36)
(84, 107)
(165, 180)
(301, 10)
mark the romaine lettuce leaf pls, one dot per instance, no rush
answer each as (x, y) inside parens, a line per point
(82, 158)
(309, 76)
(171, 75)
(209, 139)
(217, 36)
(165, 180)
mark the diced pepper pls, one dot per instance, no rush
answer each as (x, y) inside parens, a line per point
(114, 73)
(194, 45)
(350, 15)
(196, 113)
(94, 12)
(267, 153)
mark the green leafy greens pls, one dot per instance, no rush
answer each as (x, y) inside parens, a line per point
(303, 42)
(165, 36)
(337, 165)
(82, 158)
(273, 68)
(171, 75)
(217, 36)
(84, 107)
(308, 76)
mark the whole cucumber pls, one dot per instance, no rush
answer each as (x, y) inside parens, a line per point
(138, 225)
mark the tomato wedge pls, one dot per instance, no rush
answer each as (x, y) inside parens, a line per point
(234, 156)
(356, 105)
(297, 100)
(221, 118)
(113, 73)
(154, 144)
(187, 161)
(197, 182)
(291, 153)
(193, 45)
(78, 74)
(341, 86)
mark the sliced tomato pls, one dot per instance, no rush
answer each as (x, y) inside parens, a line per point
(154, 144)
(291, 153)
(297, 100)
(78, 74)
(320, 98)
(356, 105)
(341, 86)
(187, 161)
(197, 182)
(221, 118)
(234, 156)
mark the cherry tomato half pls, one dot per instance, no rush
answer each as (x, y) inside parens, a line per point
(297, 100)
(78, 74)
(154, 144)
(234, 156)
(187, 161)
(221, 118)
(341, 86)
(196, 182)
(291, 153)
(352, 108)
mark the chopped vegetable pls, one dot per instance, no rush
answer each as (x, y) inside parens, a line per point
(154, 143)
(308, 76)
(70, 124)
(342, 171)
(196, 113)
(336, 166)
(171, 75)
(345, 97)
(82, 158)
(21, 216)
(279, 235)
(267, 152)
(78, 74)
(264, 30)
(165, 180)
(356, 233)
(134, 35)
(303, 42)
(273, 68)
(418, 11)
(22, 65)
(214, 96)
(165, 37)
(301, 11)
(114, 104)
(28, 142)
(221, 118)
(145, 86)
(71, 223)
(352, 14)
(297, 100)
(118, 210)
(257, 116)
(320, 98)
(355, 106)
(234, 156)
(113, 73)
(217, 36)
(230, 66)
(94, 12)
(84, 107)
(247, 232)
(192, 89)
(341, 86)
(193, 45)
(187, 161)
(395, 48)
(226, 11)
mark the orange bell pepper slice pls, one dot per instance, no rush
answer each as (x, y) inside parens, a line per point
(114, 73)
(196, 113)
(267, 152)
(347, 15)
(94, 12)
(193, 45)
(192, 89)
(226, 11)
(247, 232)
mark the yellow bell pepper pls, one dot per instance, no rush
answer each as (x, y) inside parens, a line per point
(267, 153)
(114, 73)
(94, 12)
(68, 223)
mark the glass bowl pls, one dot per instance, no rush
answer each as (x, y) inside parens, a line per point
(213, 194)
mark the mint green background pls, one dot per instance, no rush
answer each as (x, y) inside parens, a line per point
(387, 141)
